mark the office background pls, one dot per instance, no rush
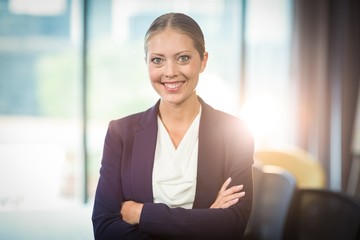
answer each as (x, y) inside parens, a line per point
(290, 68)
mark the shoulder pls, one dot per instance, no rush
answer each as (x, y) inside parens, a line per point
(223, 120)
(134, 122)
(127, 121)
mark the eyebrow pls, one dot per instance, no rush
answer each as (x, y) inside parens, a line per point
(176, 54)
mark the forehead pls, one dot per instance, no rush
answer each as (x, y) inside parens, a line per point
(169, 39)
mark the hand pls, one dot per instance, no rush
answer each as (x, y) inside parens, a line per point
(131, 211)
(228, 197)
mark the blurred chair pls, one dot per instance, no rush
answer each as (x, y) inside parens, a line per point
(308, 172)
(273, 191)
(322, 214)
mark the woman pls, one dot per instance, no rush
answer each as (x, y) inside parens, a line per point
(179, 170)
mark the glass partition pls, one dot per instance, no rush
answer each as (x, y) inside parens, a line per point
(41, 141)
(40, 104)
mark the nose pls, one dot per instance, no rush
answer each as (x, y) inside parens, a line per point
(170, 70)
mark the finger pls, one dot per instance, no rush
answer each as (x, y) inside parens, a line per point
(226, 201)
(225, 185)
(232, 190)
(232, 197)
(230, 203)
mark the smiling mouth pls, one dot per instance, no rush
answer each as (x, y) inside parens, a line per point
(172, 86)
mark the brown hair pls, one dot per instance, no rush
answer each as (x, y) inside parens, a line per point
(181, 23)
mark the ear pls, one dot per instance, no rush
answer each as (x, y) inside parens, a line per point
(204, 61)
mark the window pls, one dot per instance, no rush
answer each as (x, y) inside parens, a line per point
(268, 97)
(40, 103)
(41, 148)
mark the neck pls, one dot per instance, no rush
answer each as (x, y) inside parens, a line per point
(178, 118)
(183, 113)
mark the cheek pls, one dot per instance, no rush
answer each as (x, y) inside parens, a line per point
(154, 73)
(194, 70)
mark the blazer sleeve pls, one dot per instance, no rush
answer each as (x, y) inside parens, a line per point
(204, 223)
(107, 222)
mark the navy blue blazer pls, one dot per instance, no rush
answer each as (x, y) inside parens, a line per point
(225, 150)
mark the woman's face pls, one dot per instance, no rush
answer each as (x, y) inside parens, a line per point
(174, 66)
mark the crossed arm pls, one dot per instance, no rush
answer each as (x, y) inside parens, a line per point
(131, 211)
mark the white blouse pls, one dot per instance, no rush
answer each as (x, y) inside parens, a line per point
(175, 169)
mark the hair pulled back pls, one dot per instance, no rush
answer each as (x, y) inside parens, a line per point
(180, 22)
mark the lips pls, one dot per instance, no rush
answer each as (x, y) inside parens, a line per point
(173, 86)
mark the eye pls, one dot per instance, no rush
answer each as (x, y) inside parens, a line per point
(156, 60)
(184, 58)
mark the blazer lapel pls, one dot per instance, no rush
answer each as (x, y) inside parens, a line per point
(210, 167)
(143, 156)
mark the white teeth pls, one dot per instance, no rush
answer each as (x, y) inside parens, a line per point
(173, 85)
